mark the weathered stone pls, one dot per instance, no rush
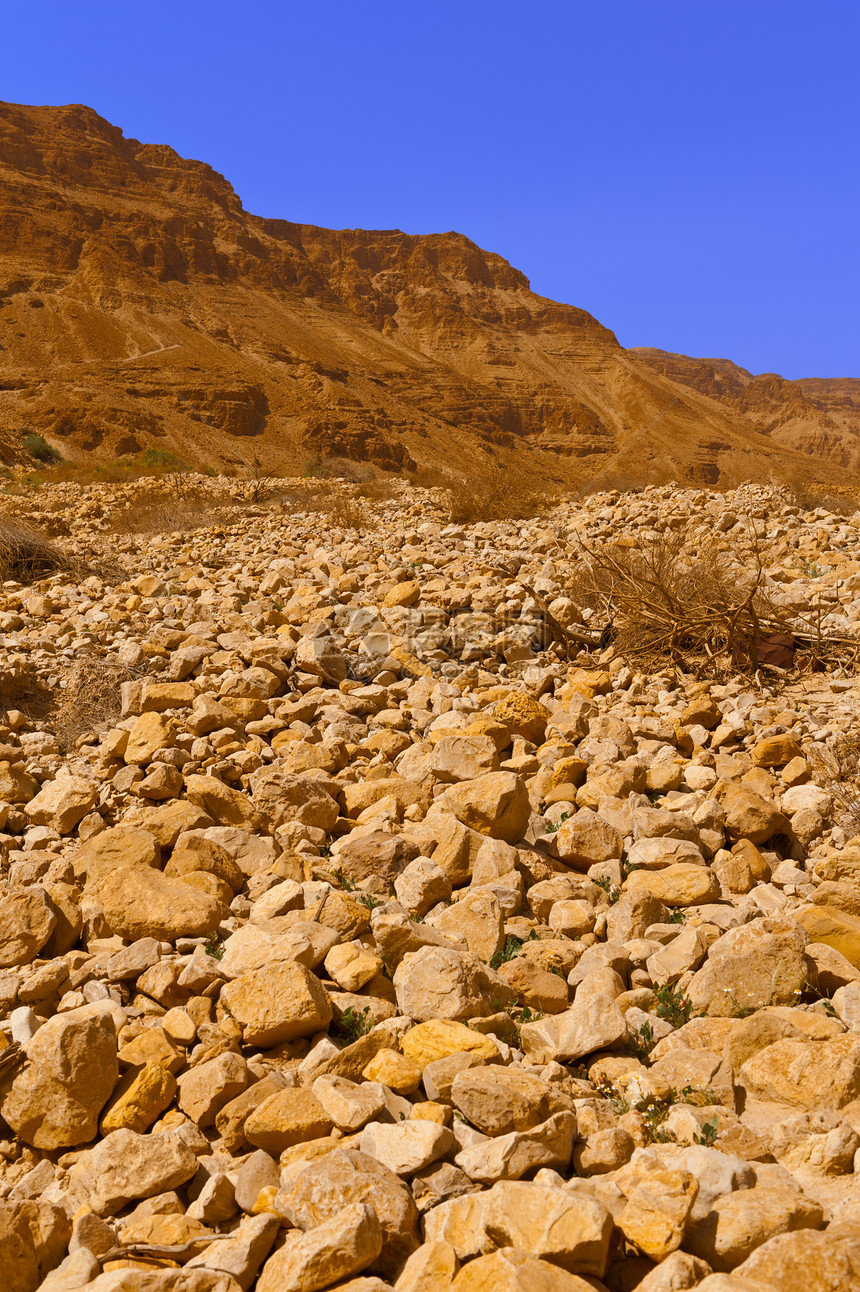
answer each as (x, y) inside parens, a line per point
(742, 1221)
(139, 902)
(804, 1258)
(806, 1074)
(33, 1240)
(55, 1101)
(761, 963)
(597, 1024)
(439, 1038)
(27, 920)
(569, 1229)
(285, 1118)
(657, 1212)
(139, 1099)
(278, 1004)
(207, 1087)
(499, 1100)
(343, 1178)
(406, 1147)
(496, 804)
(150, 732)
(126, 1166)
(349, 1104)
(478, 919)
(118, 847)
(242, 1254)
(511, 1270)
(586, 839)
(749, 816)
(436, 983)
(678, 885)
(62, 803)
(511, 1156)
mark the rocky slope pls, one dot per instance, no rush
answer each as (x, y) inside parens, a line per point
(366, 943)
(141, 306)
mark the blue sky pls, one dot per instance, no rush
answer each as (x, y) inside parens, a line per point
(687, 170)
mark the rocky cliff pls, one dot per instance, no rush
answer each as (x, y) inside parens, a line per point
(142, 306)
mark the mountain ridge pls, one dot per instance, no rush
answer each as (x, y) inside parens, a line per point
(142, 306)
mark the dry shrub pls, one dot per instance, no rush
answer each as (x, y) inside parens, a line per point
(165, 509)
(809, 496)
(837, 770)
(22, 688)
(681, 600)
(92, 697)
(349, 513)
(26, 555)
(499, 493)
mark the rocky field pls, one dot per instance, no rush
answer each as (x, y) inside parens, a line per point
(358, 933)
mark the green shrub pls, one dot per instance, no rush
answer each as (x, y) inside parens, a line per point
(39, 448)
(163, 460)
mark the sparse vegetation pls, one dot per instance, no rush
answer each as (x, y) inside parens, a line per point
(352, 1025)
(26, 555)
(39, 448)
(91, 698)
(672, 1005)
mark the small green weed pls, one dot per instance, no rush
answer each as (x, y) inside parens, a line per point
(554, 826)
(672, 1005)
(39, 448)
(707, 1135)
(352, 1025)
(613, 893)
(678, 916)
(214, 947)
(511, 949)
(642, 1041)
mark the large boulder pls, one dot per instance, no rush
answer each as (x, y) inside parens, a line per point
(71, 1070)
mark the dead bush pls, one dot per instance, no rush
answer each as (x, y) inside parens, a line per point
(681, 600)
(23, 688)
(91, 697)
(809, 496)
(499, 493)
(167, 508)
(26, 555)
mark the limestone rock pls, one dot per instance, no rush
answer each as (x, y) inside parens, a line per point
(499, 1100)
(55, 1101)
(285, 1118)
(806, 1074)
(496, 804)
(596, 1024)
(27, 920)
(142, 903)
(126, 1166)
(278, 1004)
(740, 1222)
(62, 803)
(435, 983)
(569, 1229)
(343, 1178)
(657, 1212)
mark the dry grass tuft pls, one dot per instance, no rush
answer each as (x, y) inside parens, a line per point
(498, 493)
(91, 698)
(22, 688)
(809, 496)
(167, 508)
(26, 555)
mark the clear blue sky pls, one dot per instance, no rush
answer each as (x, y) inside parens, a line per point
(687, 170)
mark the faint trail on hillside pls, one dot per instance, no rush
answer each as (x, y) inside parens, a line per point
(146, 355)
(620, 454)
